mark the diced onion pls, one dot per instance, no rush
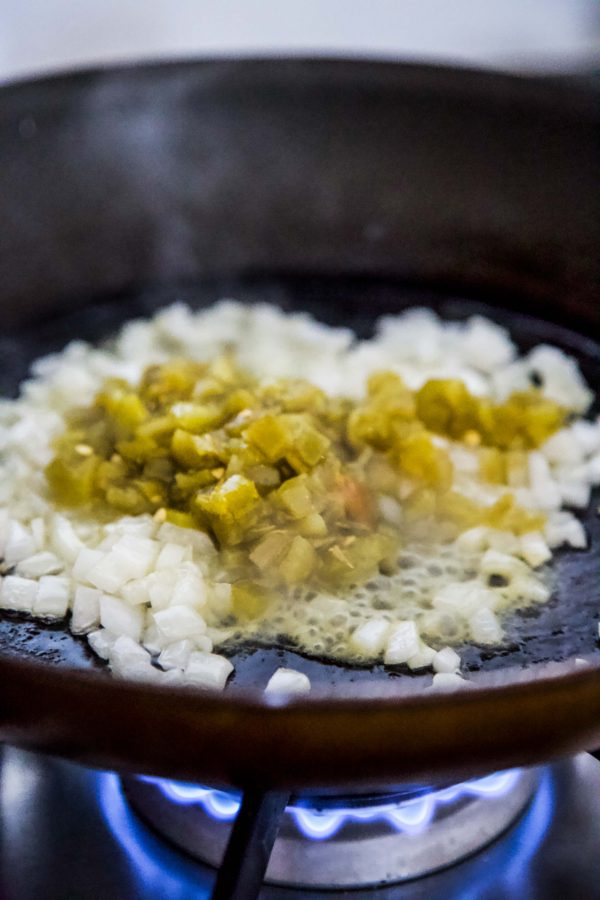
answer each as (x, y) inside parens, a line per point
(18, 593)
(403, 643)
(52, 598)
(446, 660)
(120, 618)
(208, 670)
(288, 681)
(179, 622)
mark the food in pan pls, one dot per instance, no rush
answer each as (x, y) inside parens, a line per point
(241, 473)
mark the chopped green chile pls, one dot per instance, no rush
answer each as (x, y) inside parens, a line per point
(285, 479)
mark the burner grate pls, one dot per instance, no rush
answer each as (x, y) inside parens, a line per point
(339, 842)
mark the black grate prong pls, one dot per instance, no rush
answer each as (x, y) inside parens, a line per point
(253, 835)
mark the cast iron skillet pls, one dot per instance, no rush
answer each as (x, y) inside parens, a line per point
(351, 190)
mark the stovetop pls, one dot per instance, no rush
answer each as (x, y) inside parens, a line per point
(67, 833)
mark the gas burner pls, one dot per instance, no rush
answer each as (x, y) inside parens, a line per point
(344, 841)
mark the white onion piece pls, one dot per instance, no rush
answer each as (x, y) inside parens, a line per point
(142, 526)
(4, 519)
(110, 573)
(86, 609)
(136, 592)
(52, 598)
(446, 660)
(575, 493)
(176, 655)
(203, 642)
(63, 539)
(43, 563)
(190, 589)
(179, 622)
(473, 540)
(172, 555)
(160, 586)
(19, 544)
(534, 549)
(208, 670)
(138, 670)
(125, 650)
(448, 681)
(561, 379)
(422, 658)
(108, 542)
(370, 637)
(564, 528)
(485, 627)
(503, 541)
(87, 558)
(486, 345)
(172, 677)
(101, 642)
(18, 593)
(403, 643)
(502, 564)
(153, 640)
(288, 681)
(463, 598)
(528, 589)
(563, 449)
(38, 532)
(587, 435)
(188, 537)
(544, 491)
(120, 618)
(136, 555)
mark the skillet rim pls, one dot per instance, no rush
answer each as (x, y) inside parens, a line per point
(351, 741)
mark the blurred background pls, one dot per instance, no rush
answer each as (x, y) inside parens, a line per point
(519, 35)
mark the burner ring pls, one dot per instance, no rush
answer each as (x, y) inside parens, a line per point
(345, 847)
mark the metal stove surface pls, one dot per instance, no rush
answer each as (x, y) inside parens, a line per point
(67, 834)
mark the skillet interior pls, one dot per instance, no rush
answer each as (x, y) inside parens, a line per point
(560, 630)
(362, 179)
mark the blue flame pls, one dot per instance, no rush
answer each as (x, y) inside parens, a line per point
(157, 870)
(162, 872)
(509, 863)
(410, 816)
(218, 804)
